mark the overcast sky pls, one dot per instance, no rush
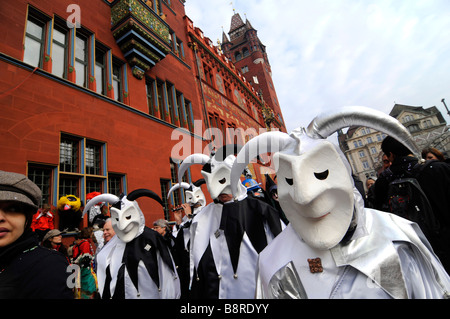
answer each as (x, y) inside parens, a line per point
(331, 53)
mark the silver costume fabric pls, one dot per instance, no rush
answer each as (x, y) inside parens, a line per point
(387, 257)
(205, 230)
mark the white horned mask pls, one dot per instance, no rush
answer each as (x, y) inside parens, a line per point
(193, 192)
(127, 218)
(216, 170)
(315, 187)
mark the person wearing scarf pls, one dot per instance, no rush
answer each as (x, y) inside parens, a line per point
(27, 270)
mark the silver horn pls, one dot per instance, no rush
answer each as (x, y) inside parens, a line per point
(110, 198)
(177, 186)
(326, 124)
(269, 142)
(197, 158)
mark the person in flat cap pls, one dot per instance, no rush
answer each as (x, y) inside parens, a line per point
(27, 270)
(53, 240)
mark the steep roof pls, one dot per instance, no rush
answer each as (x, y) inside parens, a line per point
(236, 22)
(224, 38)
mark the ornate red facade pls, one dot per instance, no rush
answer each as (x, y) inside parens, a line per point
(95, 107)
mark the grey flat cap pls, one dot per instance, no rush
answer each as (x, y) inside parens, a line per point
(17, 187)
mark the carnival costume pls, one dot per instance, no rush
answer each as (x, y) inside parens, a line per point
(333, 246)
(136, 263)
(197, 201)
(69, 210)
(94, 210)
(226, 238)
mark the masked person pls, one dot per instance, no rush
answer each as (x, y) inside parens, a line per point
(226, 235)
(136, 263)
(195, 202)
(27, 270)
(334, 247)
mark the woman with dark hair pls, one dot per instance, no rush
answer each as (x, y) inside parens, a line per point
(53, 240)
(431, 153)
(27, 270)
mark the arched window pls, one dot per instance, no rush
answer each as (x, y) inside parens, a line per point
(245, 52)
(237, 55)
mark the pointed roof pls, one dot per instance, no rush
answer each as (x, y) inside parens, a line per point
(236, 22)
(225, 38)
(249, 25)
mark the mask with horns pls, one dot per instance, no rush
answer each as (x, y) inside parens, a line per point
(216, 170)
(315, 187)
(127, 218)
(194, 193)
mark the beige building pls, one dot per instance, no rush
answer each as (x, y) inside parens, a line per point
(362, 145)
(427, 126)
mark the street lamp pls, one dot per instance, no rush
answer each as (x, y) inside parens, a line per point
(443, 101)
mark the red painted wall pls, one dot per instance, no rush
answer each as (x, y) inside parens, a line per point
(33, 116)
(35, 108)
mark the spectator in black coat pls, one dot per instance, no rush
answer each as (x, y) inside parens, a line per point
(434, 179)
(27, 270)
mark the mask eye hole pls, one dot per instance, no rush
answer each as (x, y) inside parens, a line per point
(128, 217)
(290, 181)
(223, 180)
(323, 175)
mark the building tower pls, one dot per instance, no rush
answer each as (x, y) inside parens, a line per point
(245, 50)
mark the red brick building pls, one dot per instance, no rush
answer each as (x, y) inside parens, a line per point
(91, 95)
(246, 51)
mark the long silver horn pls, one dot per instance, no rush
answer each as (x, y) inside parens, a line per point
(109, 198)
(269, 142)
(326, 124)
(177, 186)
(197, 158)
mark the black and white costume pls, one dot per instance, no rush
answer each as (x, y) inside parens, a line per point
(226, 238)
(197, 201)
(136, 263)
